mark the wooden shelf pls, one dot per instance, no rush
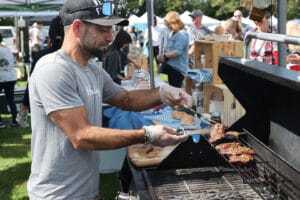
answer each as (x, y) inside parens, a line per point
(213, 50)
(215, 90)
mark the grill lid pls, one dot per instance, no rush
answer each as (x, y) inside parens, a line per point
(270, 96)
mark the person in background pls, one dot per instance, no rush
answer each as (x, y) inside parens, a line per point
(166, 34)
(8, 78)
(157, 33)
(116, 57)
(293, 29)
(219, 30)
(164, 39)
(196, 31)
(263, 50)
(293, 54)
(293, 58)
(141, 38)
(67, 91)
(175, 59)
(234, 29)
(133, 34)
(238, 16)
(36, 34)
(56, 36)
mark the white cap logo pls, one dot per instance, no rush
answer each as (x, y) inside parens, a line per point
(97, 3)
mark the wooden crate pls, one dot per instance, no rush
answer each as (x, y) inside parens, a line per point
(232, 110)
(213, 50)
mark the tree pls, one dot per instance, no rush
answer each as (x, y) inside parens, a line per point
(293, 9)
(220, 9)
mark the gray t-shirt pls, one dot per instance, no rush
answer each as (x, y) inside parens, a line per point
(58, 171)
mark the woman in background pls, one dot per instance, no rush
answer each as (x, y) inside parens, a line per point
(234, 29)
(116, 57)
(175, 59)
(263, 50)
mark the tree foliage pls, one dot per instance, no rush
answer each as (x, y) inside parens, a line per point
(220, 9)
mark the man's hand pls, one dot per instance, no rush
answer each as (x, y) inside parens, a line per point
(174, 97)
(161, 136)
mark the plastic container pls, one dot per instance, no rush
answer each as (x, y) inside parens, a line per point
(197, 95)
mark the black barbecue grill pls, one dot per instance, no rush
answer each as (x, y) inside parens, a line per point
(271, 98)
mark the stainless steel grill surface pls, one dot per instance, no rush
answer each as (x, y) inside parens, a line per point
(201, 183)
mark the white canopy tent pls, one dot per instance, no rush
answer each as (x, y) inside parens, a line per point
(143, 19)
(133, 19)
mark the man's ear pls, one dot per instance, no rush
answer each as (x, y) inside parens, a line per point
(76, 27)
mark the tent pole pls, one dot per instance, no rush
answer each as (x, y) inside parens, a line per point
(149, 5)
(281, 14)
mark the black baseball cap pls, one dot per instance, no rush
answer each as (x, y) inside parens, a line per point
(196, 13)
(94, 11)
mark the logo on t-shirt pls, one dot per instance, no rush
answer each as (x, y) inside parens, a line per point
(92, 91)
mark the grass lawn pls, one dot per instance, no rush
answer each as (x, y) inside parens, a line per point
(15, 162)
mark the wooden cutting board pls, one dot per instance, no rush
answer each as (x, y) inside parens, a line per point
(148, 155)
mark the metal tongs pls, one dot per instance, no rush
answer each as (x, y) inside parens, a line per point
(204, 119)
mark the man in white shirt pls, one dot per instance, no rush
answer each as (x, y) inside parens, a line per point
(157, 33)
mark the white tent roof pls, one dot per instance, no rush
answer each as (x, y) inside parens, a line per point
(186, 18)
(144, 19)
(133, 19)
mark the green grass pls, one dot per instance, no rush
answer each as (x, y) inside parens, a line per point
(15, 159)
(21, 84)
(163, 77)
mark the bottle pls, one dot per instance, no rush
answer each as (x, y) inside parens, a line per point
(215, 116)
(198, 97)
(203, 60)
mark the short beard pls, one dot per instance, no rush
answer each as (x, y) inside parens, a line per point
(94, 52)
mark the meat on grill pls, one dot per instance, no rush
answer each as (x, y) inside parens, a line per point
(216, 137)
(223, 146)
(217, 132)
(217, 129)
(237, 151)
(243, 158)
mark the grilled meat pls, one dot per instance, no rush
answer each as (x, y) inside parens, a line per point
(217, 129)
(223, 146)
(217, 132)
(243, 158)
(237, 151)
(216, 137)
(185, 119)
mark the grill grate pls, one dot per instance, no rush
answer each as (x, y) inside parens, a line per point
(267, 181)
(209, 183)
